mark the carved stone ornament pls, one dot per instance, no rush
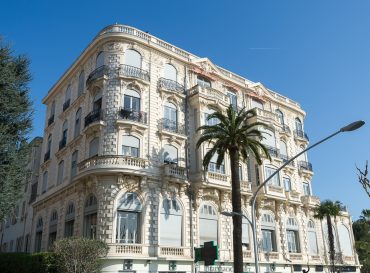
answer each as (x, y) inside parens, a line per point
(128, 183)
(115, 46)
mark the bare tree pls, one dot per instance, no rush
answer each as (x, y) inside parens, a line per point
(363, 178)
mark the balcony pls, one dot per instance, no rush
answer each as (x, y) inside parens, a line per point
(295, 256)
(293, 196)
(266, 115)
(218, 179)
(47, 156)
(285, 158)
(246, 186)
(168, 125)
(273, 151)
(210, 93)
(285, 129)
(174, 172)
(133, 115)
(275, 190)
(310, 200)
(93, 116)
(170, 85)
(305, 166)
(50, 120)
(66, 104)
(128, 250)
(118, 163)
(62, 143)
(174, 252)
(98, 73)
(133, 72)
(301, 135)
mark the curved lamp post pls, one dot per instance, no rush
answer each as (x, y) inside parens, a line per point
(350, 127)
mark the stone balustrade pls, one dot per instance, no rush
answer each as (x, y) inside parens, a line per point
(129, 249)
(113, 161)
(176, 252)
(209, 93)
(175, 171)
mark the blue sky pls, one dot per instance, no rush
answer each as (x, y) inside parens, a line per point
(315, 52)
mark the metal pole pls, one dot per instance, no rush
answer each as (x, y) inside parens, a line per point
(253, 201)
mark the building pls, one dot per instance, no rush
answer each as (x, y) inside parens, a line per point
(15, 232)
(119, 164)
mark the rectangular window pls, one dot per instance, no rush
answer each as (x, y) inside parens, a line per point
(275, 180)
(293, 241)
(268, 240)
(240, 172)
(256, 104)
(68, 228)
(208, 230)
(232, 99)
(287, 184)
(212, 166)
(127, 228)
(203, 82)
(90, 225)
(44, 182)
(210, 122)
(130, 151)
(306, 189)
(312, 242)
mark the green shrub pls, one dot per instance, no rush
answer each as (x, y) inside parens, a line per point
(27, 263)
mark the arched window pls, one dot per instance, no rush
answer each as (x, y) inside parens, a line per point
(345, 240)
(326, 236)
(256, 104)
(90, 216)
(74, 164)
(44, 182)
(312, 239)
(60, 172)
(94, 147)
(298, 127)
(128, 219)
(268, 233)
(69, 220)
(275, 180)
(170, 72)
(38, 237)
(208, 224)
(170, 154)
(133, 58)
(131, 101)
(268, 138)
(53, 224)
(171, 223)
(204, 82)
(97, 102)
(99, 59)
(63, 140)
(212, 121)
(283, 150)
(280, 116)
(170, 117)
(77, 123)
(81, 83)
(67, 98)
(212, 166)
(130, 146)
(292, 235)
(245, 232)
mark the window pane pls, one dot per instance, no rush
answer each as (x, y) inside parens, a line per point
(312, 242)
(133, 58)
(171, 232)
(275, 180)
(208, 230)
(127, 227)
(267, 240)
(170, 72)
(287, 184)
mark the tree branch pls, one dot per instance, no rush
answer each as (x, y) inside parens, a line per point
(363, 178)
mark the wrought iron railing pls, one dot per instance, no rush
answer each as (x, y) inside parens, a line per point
(304, 165)
(133, 115)
(171, 85)
(171, 126)
(285, 158)
(273, 151)
(133, 72)
(301, 134)
(93, 116)
(66, 104)
(51, 120)
(62, 143)
(97, 73)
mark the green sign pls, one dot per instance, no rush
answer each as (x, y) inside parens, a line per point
(208, 253)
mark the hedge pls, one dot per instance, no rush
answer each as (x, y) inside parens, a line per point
(27, 263)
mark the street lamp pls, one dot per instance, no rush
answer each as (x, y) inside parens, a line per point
(232, 213)
(350, 127)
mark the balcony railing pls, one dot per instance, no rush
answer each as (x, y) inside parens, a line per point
(113, 161)
(97, 73)
(303, 165)
(285, 128)
(301, 134)
(47, 156)
(50, 120)
(62, 143)
(175, 171)
(285, 158)
(171, 85)
(209, 92)
(133, 115)
(171, 126)
(93, 116)
(273, 151)
(66, 104)
(133, 72)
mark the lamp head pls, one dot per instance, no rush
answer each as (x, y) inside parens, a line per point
(353, 126)
(228, 213)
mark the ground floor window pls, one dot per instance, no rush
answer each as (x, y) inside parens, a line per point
(127, 227)
(293, 241)
(268, 240)
(68, 229)
(90, 225)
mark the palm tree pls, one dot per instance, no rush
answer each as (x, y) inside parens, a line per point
(238, 136)
(328, 209)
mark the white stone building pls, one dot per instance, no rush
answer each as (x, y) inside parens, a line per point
(119, 164)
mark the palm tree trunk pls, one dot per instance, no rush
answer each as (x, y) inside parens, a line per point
(237, 207)
(331, 241)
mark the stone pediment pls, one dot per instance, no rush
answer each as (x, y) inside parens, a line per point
(260, 91)
(206, 66)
